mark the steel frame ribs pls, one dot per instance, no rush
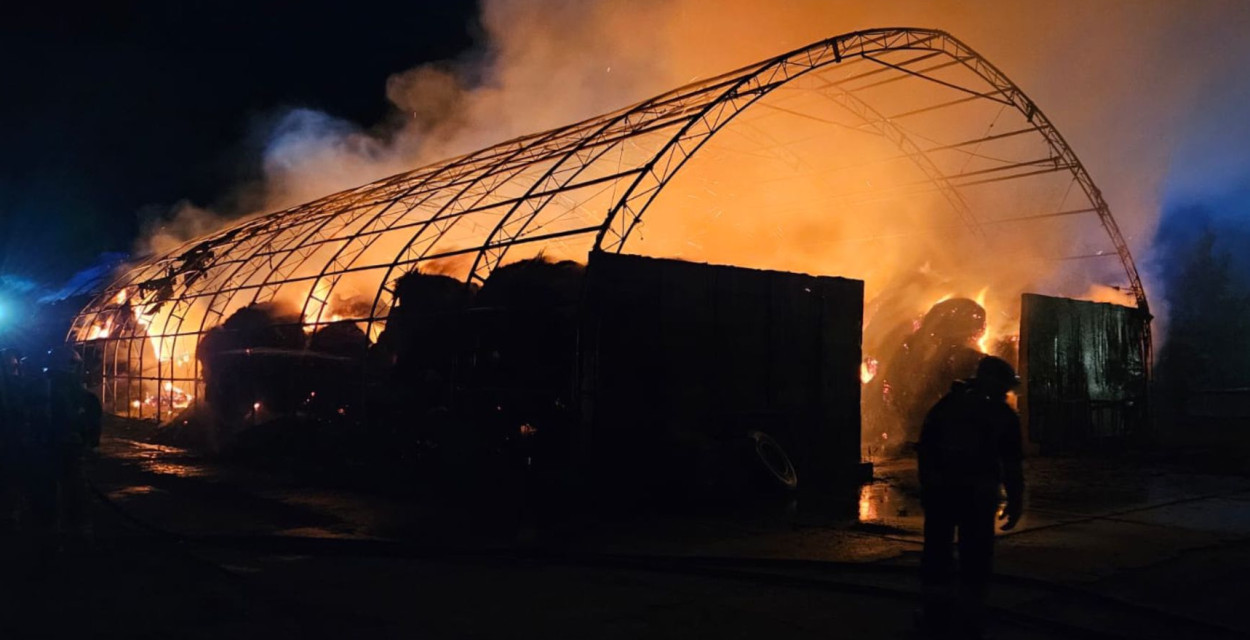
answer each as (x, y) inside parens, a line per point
(543, 188)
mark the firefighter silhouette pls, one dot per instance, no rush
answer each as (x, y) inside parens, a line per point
(65, 421)
(970, 448)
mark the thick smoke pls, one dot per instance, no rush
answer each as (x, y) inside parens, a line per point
(1145, 93)
(164, 233)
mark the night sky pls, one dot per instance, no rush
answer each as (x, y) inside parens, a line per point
(119, 110)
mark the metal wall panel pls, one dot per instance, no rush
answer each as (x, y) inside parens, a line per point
(1084, 366)
(678, 354)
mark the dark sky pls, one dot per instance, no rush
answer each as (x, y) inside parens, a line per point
(122, 107)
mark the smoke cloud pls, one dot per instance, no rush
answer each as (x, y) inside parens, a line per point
(1148, 94)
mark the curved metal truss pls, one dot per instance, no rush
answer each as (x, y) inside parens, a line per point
(573, 189)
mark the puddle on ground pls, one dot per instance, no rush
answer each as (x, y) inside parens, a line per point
(323, 533)
(131, 491)
(175, 469)
(160, 459)
(892, 499)
(885, 502)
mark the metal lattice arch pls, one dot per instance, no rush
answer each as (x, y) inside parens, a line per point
(791, 159)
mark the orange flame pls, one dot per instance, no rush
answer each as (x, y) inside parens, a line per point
(98, 331)
(984, 340)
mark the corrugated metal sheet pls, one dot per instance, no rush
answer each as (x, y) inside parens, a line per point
(676, 352)
(1084, 369)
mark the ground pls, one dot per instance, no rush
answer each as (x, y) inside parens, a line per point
(1126, 547)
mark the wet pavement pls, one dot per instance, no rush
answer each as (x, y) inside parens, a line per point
(1125, 547)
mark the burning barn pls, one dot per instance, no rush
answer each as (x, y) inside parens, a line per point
(896, 157)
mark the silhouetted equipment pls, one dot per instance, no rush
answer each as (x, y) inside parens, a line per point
(1084, 367)
(679, 360)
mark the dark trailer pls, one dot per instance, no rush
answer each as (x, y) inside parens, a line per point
(704, 377)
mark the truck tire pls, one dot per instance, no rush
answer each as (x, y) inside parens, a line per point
(779, 470)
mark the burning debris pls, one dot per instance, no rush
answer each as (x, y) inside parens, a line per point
(941, 346)
(865, 155)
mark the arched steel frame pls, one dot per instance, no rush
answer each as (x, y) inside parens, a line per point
(309, 249)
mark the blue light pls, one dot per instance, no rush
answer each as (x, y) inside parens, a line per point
(10, 317)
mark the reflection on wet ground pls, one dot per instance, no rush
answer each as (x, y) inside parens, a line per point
(156, 458)
(176, 469)
(891, 502)
(882, 514)
(1062, 491)
(1128, 528)
(132, 490)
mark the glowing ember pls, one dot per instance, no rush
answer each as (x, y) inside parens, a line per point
(178, 398)
(868, 370)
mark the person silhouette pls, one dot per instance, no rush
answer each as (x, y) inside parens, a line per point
(970, 448)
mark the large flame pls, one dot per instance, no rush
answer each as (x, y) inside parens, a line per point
(98, 331)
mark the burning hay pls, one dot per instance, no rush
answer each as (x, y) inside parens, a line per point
(941, 347)
(865, 155)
